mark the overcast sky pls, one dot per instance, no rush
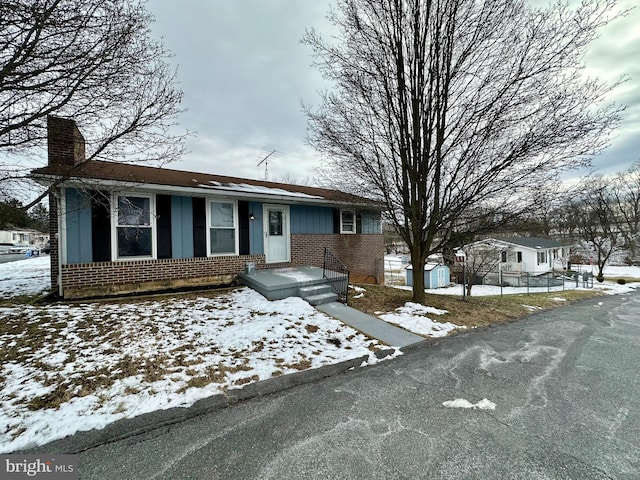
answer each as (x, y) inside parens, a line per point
(244, 74)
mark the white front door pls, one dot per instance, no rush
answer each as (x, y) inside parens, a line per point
(276, 233)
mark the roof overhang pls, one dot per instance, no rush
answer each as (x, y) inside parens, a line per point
(237, 191)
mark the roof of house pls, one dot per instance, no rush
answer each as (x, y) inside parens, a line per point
(139, 174)
(535, 243)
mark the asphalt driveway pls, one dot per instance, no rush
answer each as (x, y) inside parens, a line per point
(565, 384)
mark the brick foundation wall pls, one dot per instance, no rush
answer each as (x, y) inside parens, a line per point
(363, 255)
(84, 280)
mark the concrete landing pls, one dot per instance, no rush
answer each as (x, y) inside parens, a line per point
(370, 326)
(279, 283)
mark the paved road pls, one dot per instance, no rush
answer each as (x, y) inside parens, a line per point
(565, 384)
(11, 257)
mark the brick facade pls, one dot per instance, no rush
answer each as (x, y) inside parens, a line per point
(117, 278)
(362, 254)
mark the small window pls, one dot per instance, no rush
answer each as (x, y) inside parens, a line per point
(347, 221)
(519, 257)
(542, 258)
(222, 229)
(503, 257)
(134, 229)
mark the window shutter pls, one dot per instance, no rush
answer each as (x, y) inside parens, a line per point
(101, 226)
(199, 227)
(336, 220)
(163, 223)
(243, 220)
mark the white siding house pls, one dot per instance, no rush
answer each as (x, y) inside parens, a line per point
(521, 256)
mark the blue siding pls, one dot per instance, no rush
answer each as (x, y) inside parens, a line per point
(78, 223)
(433, 278)
(308, 219)
(371, 223)
(256, 238)
(181, 227)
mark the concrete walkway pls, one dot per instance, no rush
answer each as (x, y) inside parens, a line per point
(371, 326)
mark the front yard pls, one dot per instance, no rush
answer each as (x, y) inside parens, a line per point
(76, 366)
(67, 367)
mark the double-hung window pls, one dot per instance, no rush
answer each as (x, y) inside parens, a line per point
(222, 228)
(134, 229)
(542, 257)
(347, 221)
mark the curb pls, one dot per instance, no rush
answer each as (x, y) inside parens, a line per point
(131, 427)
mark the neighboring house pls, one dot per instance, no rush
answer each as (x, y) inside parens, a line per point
(21, 238)
(519, 256)
(15, 237)
(119, 228)
(435, 275)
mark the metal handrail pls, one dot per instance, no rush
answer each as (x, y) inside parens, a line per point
(336, 274)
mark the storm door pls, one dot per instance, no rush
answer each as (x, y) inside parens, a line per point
(276, 233)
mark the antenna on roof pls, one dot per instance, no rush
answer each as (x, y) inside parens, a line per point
(265, 160)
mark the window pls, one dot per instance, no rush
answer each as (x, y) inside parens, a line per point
(134, 230)
(276, 223)
(347, 221)
(519, 257)
(222, 228)
(503, 257)
(542, 258)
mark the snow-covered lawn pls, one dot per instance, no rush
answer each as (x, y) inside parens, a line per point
(25, 277)
(71, 367)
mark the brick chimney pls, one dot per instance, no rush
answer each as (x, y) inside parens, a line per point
(65, 142)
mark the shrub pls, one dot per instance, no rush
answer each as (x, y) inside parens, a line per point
(621, 281)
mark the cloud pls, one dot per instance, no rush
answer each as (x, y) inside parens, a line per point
(211, 154)
(244, 73)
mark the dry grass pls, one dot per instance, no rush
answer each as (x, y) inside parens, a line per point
(472, 312)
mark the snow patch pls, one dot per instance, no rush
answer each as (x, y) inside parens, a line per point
(246, 188)
(532, 308)
(483, 404)
(412, 317)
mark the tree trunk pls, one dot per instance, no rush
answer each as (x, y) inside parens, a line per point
(601, 261)
(469, 285)
(418, 257)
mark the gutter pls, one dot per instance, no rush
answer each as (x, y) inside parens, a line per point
(204, 191)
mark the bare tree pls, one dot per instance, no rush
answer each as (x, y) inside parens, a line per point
(481, 258)
(441, 108)
(593, 215)
(93, 61)
(625, 193)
